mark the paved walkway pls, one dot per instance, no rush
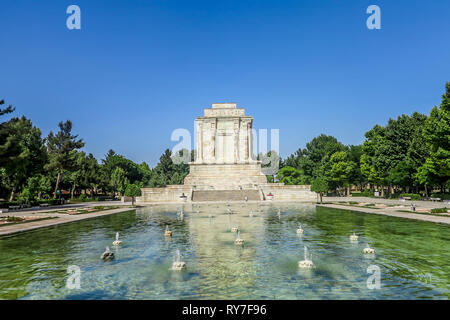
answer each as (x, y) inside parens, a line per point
(406, 203)
(61, 218)
(391, 212)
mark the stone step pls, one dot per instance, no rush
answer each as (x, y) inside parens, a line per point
(225, 195)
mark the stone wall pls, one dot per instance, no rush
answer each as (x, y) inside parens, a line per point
(280, 192)
(170, 193)
(283, 192)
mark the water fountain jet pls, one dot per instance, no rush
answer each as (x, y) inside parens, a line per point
(168, 233)
(177, 264)
(354, 237)
(117, 241)
(307, 262)
(238, 240)
(368, 250)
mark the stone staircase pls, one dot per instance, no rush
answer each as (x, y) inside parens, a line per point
(225, 195)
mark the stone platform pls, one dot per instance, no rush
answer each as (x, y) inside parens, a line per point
(225, 176)
(229, 195)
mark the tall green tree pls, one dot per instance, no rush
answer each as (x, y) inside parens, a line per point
(340, 170)
(22, 152)
(436, 169)
(85, 172)
(388, 150)
(60, 147)
(133, 172)
(119, 180)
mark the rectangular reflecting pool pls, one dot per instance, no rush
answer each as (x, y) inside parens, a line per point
(411, 259)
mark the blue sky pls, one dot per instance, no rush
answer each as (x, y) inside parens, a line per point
(139, 69)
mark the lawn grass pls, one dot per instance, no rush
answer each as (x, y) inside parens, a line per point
(424, 213)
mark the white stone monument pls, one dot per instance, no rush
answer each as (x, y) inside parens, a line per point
(224, 145)
(224, 168)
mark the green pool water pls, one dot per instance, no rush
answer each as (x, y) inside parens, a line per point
(412, 257)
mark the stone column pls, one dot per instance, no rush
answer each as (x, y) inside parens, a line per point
(244, 128)
(201, 140)
(198, 142)
(236, 140)
(250, 141)
(213, 141)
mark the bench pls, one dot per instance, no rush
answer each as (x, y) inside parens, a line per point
(435, 199)
(405, 198)
(14, 208)
(43, 205)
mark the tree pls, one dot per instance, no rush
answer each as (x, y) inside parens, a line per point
(312, 160)
(386, 147)
(119, 181)
(402, 175)
(176, 179)
(320, 185)
(8, 109)
(38, 185)
(291, 176)
(322, 147)
(436, 169)
(60, 148)
(84, 173)
(22, 152)
(354, 155)
(132, 191)
(340, 169)
(133, 172)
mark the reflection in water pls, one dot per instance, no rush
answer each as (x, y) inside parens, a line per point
(411, 255)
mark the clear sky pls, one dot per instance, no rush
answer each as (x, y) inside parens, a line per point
(139, 69)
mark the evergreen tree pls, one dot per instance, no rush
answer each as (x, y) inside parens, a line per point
(60, 148)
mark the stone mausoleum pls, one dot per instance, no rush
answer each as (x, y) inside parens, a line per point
(224, 168)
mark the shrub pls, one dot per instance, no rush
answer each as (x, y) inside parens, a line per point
(439, 210)
(413, 196)
(364, 193)
(443, 196)
(14, 219)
